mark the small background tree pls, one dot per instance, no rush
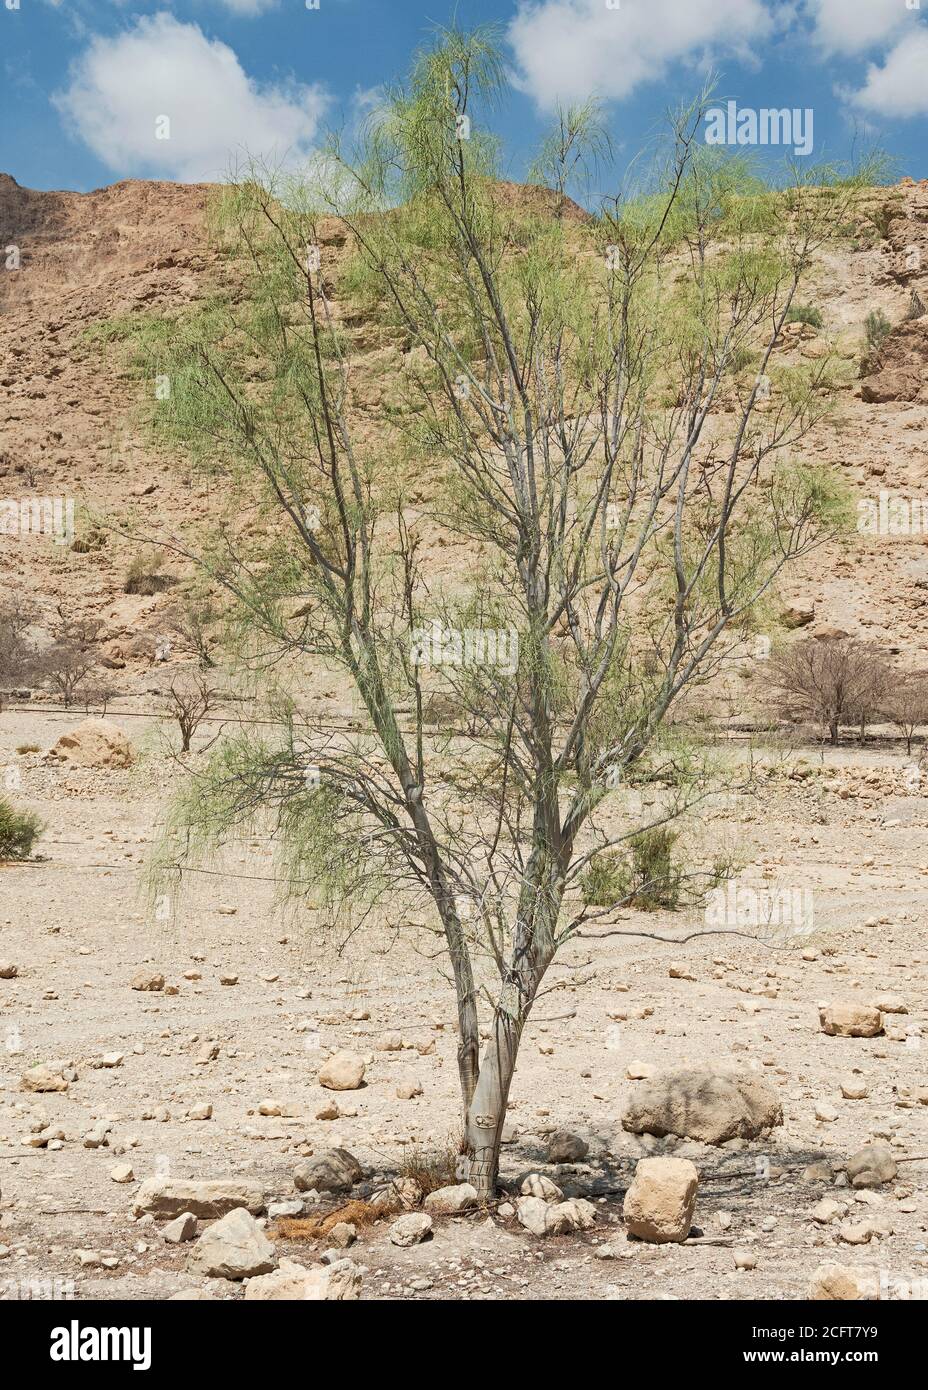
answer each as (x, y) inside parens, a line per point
(905, 704)
(830, 681)
(188, 702)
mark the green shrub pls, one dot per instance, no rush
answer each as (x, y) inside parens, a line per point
(647, 878)
(18, 832)
(877, 328)
(805, 313)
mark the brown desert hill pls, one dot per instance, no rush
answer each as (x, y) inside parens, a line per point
(67, 403)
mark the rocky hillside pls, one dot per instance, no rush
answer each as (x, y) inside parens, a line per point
(76, 262)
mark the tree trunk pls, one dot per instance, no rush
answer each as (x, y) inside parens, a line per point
(486, 1113)
(833, 730)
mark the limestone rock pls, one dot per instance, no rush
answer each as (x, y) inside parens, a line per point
(850, 1021)
(411, 1229)
(183, 1227)
(448, 1201)
(712, 1104)
(339, 1281)
(344, 1071)
(148, 981)
(659, 1204)
(174, 1196)
(844, 1283)
(871, 1166)
(42, 1079)
(234, 1247)
(95, 743)
(537, 1185)
(564, 1147)
(333, 1170)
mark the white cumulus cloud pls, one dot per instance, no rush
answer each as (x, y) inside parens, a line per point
(856, 26)
(121, 88)
(899, 85)
(567, 50)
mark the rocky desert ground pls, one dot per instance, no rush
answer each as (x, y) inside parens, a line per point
(214, 1095)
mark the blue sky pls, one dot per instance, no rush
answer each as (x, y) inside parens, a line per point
(84, 82)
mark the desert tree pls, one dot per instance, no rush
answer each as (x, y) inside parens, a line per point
(188, 702)
(905, 704)
(17, 652)
(832, 681)
(72, 654)
(578, 395)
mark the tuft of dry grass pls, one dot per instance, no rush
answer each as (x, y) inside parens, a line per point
(431, 1169)
(358, 1212)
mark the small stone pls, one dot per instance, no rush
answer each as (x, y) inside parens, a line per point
(234, 1247)
(42, 1078)
(183, 1227)
(871, 1166)
(827, 1210)
(344, 1071)
(411, 1229)
(408, 1090)
(744, 1259)
(147, 981)
(850, 1021)
(122, 1173)
(844, 1283)
(825, 1112)
(448, 1201)
(8, 971)
(343, 1234)
(565, 1147)
(537, 1185)
(333, 1170)
(852, 1089)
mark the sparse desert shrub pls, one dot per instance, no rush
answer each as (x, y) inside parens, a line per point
(648, 877)
(28, 748)
(877, 328)
(144, 575)
(805, 313)
(431, 1168)
(18, 832)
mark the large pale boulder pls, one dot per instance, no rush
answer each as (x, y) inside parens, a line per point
(544, 1218)
(333, 1170)
(338, 1282)
(344, 1071)
(95, 744)
(712, 1104)
(174, 1196)
(659, 1204)
(234, 1247)
(850, 1020)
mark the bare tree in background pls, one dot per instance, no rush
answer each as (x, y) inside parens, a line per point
(577, 398)
(72, 655)
(831, 681)
(189, 701)
(905, 704)
(17, 653)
